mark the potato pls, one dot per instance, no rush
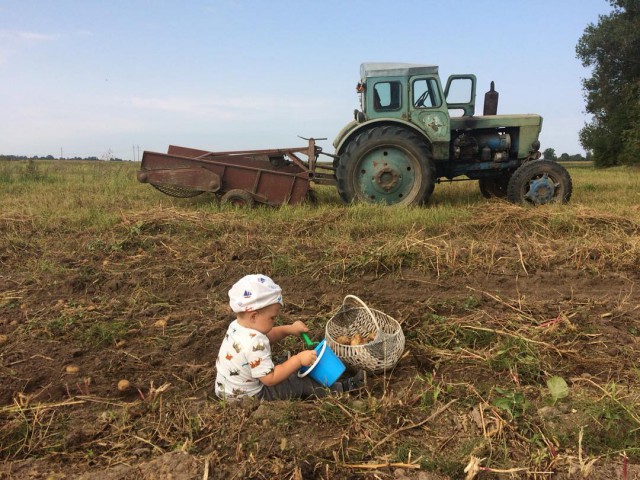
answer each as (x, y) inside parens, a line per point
(357, 340)
(344, 340)
(72, 369)
(124, 385)
(4, 338)
(160, 323)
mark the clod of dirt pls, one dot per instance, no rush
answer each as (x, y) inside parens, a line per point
(174, 465)
(548, 412)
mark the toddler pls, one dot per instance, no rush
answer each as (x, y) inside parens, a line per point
(244, 364)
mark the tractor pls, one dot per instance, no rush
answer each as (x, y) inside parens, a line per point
(410, 134)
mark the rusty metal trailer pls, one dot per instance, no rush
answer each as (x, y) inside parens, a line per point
(243, 177)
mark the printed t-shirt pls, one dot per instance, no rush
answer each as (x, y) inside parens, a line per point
(244, 356)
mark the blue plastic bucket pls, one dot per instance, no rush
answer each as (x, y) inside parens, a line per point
(326, 369)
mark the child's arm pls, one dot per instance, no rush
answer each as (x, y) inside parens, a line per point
(278, 333)
(284, 370)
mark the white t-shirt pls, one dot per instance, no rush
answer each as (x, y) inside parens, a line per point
(244, 356)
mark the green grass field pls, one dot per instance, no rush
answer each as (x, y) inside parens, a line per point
(73, 189)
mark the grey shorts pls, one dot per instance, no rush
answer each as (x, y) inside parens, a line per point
(298, 387)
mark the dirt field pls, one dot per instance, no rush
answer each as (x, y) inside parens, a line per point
(79, 312)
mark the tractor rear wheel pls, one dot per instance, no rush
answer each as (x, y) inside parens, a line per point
(539, 182)
(388, 165)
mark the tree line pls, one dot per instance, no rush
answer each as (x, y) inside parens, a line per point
(51, 157)
(550, 154)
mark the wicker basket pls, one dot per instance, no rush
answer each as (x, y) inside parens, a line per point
(354, 316)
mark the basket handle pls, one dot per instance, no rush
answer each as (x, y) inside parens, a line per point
(366, 307)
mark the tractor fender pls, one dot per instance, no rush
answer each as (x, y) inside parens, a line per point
(353, 129)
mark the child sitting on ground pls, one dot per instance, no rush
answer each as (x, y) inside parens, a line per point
(244, 364)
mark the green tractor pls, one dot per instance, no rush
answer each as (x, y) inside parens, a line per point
(410, 134)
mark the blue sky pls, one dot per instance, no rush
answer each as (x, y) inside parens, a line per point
(87, 77)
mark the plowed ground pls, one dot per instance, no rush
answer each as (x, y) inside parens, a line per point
(146, 302)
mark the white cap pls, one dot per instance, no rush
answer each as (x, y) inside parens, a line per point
(253, 292)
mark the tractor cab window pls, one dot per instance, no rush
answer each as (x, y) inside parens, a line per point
(426, 93)
(387, 96)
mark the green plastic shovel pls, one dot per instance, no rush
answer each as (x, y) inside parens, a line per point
(307, 341)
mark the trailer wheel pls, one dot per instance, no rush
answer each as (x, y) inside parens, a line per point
(495, 186)
(539, 182)
(237, 198)
(388, 165)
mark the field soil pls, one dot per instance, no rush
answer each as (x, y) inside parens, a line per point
(147, 303)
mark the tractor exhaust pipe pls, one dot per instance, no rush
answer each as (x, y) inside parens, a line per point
(491, 101)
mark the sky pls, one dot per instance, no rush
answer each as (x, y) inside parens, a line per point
(97, 78)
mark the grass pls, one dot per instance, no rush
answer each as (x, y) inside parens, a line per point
(76, 187)
(93, 258)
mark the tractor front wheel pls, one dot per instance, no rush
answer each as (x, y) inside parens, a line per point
(387, 165)
(539, 182)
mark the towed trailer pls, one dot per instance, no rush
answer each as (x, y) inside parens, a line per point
(243, 177)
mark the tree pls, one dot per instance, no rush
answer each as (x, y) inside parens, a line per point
(612, 93)
(549, 154)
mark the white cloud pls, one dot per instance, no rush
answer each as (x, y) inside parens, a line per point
(165, 104)
(228, 107)
(25, 36)
(11, 42)
(36, 37)
(4, 55)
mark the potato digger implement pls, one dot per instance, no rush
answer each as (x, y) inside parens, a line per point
(242, 178)
(409, 134)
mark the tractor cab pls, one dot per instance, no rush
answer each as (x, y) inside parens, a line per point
(394, 89)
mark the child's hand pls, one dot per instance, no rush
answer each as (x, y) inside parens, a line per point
(307, 357)
(298, 327)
